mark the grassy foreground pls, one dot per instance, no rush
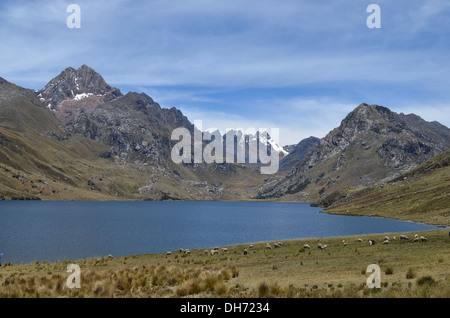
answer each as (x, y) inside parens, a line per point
(408, 269)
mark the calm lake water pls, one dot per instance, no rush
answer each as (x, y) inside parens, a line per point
(71, 230)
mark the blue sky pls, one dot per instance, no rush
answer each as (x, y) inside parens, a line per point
(296, 65)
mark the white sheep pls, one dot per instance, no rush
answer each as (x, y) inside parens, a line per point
(319, 246)
(423, 239)
(245, 252)
(213, 251)
(268, 246)
(187, 251)
(306, 246)
(371, 242)
(404, 237)
(169, 253)
(360, 240)
(344, 242)
(275, 245)
(250, 246)
(386, 238)
(386, 242)
(224, 249)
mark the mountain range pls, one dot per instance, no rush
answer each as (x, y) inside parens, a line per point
(79, 138)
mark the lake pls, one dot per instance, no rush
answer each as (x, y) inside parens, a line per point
(70, 230)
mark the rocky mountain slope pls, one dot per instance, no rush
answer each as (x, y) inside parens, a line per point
(372, 144)
(297, 153)
(134, 126)
(93, 142)
(421, 195)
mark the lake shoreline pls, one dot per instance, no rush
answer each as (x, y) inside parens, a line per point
(280, 221)
(333, 211)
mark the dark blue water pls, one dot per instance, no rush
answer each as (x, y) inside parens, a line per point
(71, 230)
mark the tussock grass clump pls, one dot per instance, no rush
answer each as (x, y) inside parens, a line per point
(410, 274)
(426, 280)
(263, 290)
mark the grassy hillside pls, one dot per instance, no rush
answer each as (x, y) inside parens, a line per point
(71, 169)
(422, 195)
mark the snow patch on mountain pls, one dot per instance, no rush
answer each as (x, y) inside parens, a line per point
(82, 95)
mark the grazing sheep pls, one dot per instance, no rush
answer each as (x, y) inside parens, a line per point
(371, 242)
(275, 245)
(250, 246)
(187, 252)
(344, 242)
(416, 239)
(213, 252)
(110, 256)
(386, 238)
(181, 250)
(206, 252)
(224, 249)
(386, 242)
(395, 238)
(279, 243)
(360, 240)
(423, 239)
(306, 246)
(319, 246)
(404, 237)
(325, 246)
(268, 246)
(245, 252)
(169, 253)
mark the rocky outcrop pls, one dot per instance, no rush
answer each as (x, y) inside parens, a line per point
(298, 152)
(133, 125)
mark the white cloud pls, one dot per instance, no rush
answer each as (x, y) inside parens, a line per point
(183, 49)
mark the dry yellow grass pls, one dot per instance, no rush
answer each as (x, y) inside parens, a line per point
(408, 269)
